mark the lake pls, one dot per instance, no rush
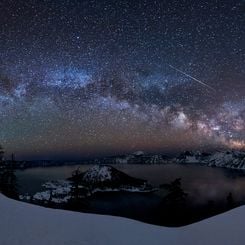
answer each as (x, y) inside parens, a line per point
(203, 185)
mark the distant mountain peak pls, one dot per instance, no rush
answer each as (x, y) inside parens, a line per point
(138, 153)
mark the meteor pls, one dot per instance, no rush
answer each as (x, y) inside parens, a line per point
(193, 78)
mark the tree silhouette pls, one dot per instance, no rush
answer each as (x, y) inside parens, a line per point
(230, 201)
(78, 193)
(75, 192)
(176, 195)
(1, 155)
(173, 206)
(8, 180)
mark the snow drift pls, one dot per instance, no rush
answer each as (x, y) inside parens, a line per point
(23, 223)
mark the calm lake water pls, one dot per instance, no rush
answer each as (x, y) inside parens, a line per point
(203, 185)
(199, 181)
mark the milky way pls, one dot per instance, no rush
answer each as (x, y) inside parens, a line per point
(88, 78)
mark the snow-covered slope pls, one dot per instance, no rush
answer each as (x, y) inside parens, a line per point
(226, 159)
(22, 223)
(98, 174)
(234, 159)
(138, 157)
(105, 176)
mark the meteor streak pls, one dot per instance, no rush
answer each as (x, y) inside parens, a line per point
(193, 78)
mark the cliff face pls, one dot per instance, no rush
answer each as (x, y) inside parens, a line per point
(225, 159)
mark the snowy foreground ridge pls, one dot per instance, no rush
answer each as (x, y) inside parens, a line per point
(22, 223)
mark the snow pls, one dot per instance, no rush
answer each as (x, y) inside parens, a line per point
(126, 189)
(191, 159)
(58, 183)
(46, 196)
(97, 173)
(59, 191)
(138, 153)
(225, 159)
(23, 223)
(56, 191)
(228, 159)
(62, 193)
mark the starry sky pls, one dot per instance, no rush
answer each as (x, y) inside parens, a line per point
(89, 78)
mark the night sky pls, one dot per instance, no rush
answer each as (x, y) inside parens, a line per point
(88, 78)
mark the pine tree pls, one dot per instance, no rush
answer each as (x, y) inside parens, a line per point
(78, 193)
(75, 185)
(9, 183)
(8, 180)
(230, 201)
(176, 195)
(1, 155)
